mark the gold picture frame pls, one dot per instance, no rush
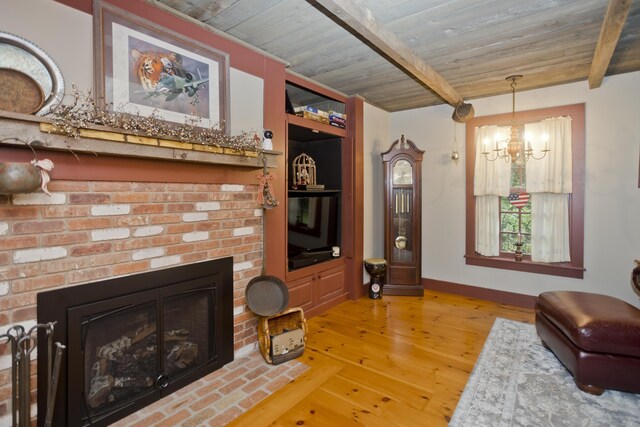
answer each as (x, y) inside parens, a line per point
(143, 68)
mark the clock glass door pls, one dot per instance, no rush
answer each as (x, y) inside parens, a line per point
(402, 173)
(402, 224)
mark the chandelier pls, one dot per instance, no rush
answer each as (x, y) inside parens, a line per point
(513, 149)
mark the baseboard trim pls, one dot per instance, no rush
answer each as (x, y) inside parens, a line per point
(501, 297)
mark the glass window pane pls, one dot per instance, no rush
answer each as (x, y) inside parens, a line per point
(526, 244)
(506, 206)
(509, 222)
(508, 241)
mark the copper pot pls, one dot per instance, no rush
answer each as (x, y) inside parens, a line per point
(17, 178)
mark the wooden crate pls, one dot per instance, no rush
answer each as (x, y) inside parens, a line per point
(269, 327)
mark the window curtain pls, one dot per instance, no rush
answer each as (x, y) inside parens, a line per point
(491, 180)
(549, 181)
(488, 225)
(550, 227)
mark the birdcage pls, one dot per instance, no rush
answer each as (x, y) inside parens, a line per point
(304, 170)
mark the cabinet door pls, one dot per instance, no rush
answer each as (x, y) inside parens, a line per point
(301, 293)
(308, 291)
(330, 283)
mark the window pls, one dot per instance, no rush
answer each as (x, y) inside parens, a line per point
(515, 214)
(516, 223)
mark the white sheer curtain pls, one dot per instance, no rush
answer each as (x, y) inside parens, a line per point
(491, 180)
(550, 227)
(549, 182)
(553, 173)
(488, 225)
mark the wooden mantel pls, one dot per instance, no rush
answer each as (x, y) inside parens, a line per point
(17, 130)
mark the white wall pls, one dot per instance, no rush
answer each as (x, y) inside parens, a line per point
(66, 35)
(612, 199)
(376, 141)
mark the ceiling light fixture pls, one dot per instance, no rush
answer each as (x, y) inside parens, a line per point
(514, 149)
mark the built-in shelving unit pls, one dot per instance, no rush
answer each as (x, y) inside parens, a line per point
(317, 127)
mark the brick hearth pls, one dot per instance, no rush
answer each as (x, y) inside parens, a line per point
(220, 397)
(91, 230)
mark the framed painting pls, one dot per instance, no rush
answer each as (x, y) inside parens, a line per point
(143, 68)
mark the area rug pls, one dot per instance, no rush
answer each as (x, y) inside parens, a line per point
(517, 382)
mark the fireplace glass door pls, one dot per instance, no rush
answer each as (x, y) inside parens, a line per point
(187, 328)
(120, 357)
(135, 347)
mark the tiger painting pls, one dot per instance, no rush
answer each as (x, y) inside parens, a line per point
(151, 66)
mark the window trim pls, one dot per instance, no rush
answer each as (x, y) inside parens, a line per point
(575, 268)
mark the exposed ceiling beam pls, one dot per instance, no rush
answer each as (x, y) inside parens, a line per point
(361, 20)
(614, 19)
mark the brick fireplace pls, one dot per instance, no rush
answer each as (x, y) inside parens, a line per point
(132, 340)
(94, 229)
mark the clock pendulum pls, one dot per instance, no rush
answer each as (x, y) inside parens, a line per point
(401, 208)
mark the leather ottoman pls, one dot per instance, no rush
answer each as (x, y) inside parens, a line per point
(596, 337)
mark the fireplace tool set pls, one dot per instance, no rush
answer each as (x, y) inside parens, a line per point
(23, 343)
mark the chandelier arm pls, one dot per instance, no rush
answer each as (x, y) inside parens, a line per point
(486, 156)
(500, 153)
(531, 155)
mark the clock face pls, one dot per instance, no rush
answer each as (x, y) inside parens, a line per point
(402, 173)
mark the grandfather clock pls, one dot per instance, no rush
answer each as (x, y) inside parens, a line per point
(402, 220)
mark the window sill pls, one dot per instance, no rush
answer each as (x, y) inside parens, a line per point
(556, 269)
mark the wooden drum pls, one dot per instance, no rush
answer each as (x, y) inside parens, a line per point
(377, 268)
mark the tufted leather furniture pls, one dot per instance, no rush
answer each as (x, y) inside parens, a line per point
(596, 337)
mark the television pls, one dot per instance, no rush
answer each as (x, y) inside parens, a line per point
(314, 228)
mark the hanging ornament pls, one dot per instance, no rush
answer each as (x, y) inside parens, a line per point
(44, 166)
(519, 200)
(455, 153)
(265, 190)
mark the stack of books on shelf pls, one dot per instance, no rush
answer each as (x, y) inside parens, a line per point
(327, 117)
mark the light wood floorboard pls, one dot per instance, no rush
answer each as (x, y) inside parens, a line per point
(400, 361)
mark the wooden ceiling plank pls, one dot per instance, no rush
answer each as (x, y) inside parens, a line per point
(364, 23)
(614, 19)
(472, 43)
(342, 63)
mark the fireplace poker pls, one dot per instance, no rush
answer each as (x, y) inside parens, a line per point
(14, 377)
(53, 383)
(23, 357)
(16, 332)
(49, 331)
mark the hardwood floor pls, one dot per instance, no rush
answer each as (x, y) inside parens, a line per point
(398, 361)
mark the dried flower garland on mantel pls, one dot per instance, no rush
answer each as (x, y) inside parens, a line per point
(84, 112)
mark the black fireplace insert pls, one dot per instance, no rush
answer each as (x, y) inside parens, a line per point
(135, 339)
